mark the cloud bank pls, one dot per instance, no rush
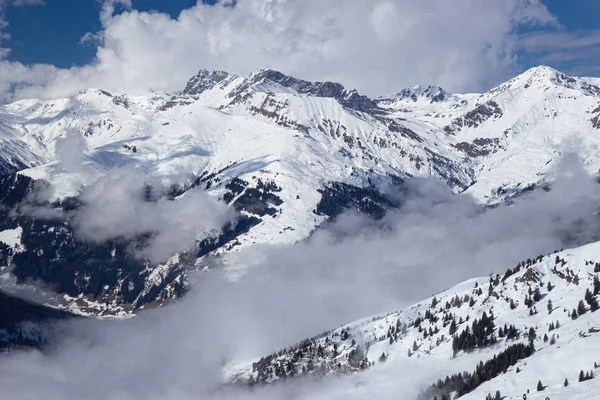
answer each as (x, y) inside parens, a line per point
(383, 45)
(121, 204)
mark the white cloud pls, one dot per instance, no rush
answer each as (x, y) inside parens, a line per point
(115, 206)
(376, 46)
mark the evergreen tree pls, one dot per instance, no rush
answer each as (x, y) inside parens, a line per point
(537, 295)
(581, 308)
(531, 335)
(596, 285)
(550, 307)
(452, 329)
(574, 314)
(540, 387)
(566, 382)
(497, 396)
(581, 376)
(591, 300)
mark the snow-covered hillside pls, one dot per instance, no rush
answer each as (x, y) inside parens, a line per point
(549, 302)
(287, 154)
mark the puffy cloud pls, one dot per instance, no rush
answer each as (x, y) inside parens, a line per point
(70, 150)
(376, 46)
(121, 205)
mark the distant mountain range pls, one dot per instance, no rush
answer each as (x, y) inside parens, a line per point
(289, 155)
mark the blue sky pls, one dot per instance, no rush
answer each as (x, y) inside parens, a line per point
(50, 33)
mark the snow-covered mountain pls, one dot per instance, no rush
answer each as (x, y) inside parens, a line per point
(536, 322)
(286, 153)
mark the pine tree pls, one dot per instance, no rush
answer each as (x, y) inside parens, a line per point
(581, 376)
(591, 300)
(566, 382)
(574, 314)
(531, 335)
(596, 285)
(452, 329)
(550, 307)
(540, 387)
(581, 308)
(550, 287)
(497, 396)
(537, 295)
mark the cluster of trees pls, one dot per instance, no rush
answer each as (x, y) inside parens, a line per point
(480, 335)
(463, 383)
(396, 331)
(509, 332)
(591, 300)
(587, 376)
(534, 297)
(311, 356)
(553, 326)
(497, 396)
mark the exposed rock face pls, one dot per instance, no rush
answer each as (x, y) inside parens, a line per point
(480, 147)
(476, 117)
(204, 80)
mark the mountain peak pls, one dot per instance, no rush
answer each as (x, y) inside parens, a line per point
(543, 77)
(318, 89)
(419, 92)
(204, 80)
(542, 70)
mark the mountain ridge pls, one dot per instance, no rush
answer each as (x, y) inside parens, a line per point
(289, 154)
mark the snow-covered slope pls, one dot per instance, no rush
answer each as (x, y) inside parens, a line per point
(542, 301)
